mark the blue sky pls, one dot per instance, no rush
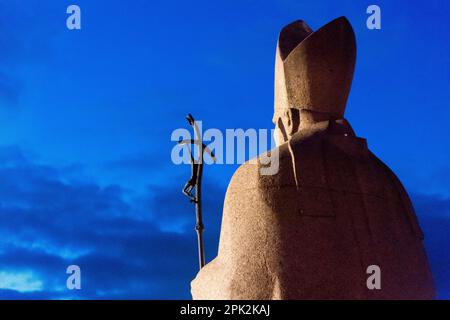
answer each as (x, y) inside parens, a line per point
(86, 118)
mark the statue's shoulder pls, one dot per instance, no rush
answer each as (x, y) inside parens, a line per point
(275, 168)
(266, 169)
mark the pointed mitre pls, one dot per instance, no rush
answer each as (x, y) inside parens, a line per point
(314, 70)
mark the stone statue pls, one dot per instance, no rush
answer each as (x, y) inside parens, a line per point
(312, 230)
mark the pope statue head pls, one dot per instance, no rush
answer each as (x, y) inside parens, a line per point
(313, 75)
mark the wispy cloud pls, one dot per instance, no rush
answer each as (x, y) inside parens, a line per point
(20, 281)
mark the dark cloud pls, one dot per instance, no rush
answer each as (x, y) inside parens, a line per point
(433, 212)
(125, 248)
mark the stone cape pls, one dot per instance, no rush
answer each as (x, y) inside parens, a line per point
(314, 238)
(333, 209)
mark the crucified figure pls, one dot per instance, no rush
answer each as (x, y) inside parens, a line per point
(193, 188)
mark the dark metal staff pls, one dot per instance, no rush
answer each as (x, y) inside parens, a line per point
(195, 183)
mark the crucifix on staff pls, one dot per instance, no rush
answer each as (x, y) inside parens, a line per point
(193, 188)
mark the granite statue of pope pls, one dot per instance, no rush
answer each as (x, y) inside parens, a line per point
(332, 211)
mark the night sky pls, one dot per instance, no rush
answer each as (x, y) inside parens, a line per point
(86, 118)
